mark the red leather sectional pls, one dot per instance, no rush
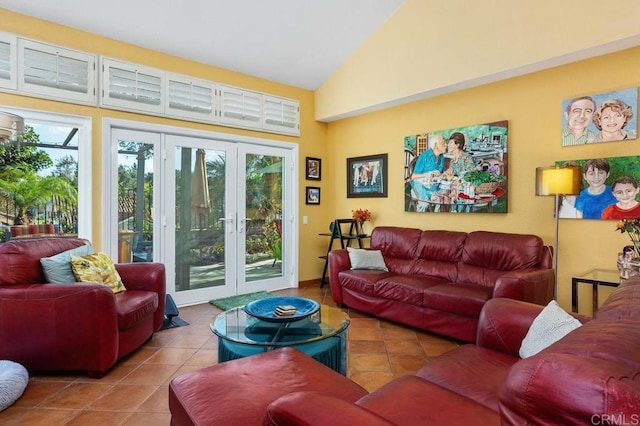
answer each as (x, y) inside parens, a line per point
(440, 280)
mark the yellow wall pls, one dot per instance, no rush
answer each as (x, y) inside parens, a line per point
(431, 47)
(311, 142)
(532, 104)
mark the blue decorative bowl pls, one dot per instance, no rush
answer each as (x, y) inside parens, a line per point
(264, 308)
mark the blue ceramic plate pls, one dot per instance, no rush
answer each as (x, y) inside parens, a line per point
(264, 308)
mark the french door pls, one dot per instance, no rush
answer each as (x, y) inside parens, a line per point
(225, 209)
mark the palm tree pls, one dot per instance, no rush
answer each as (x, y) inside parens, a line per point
(28, 190)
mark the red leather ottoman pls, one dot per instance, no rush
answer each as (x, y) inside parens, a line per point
(238, 392)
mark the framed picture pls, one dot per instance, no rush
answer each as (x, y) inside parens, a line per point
(367, 176)
(313, 195)
(314, 168)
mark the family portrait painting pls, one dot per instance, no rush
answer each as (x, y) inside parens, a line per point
(609, 189)
(605, 117)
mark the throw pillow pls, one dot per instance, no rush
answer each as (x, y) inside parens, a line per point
(551, 325)
(366, 259)
(97, 268)
(57, 269)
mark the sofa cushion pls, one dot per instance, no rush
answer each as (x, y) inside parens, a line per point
(366, 259)
(57, 269)
(551, 325)
(134, 306)
(462, 299)
(362, 280)
(472, 371)
(411, 400)
(405, 288)
(502, 251)
(97, 268)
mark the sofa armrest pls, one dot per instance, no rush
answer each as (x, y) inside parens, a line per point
(503, 324)
(338, 262)
(56, 326)
(306, 408)
(147, 276)
(534, 286)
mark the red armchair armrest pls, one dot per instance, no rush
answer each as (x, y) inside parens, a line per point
(534, 286)
(146, 276)
(338, 261)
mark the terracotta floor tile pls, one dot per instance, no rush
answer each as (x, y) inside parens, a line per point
(407, 364)
(147, 419)
(157, 402)
(363, 323)
(37, 391)
(115, 375)
(204, 358)
(140, 355)
(46, 417)
(437, 348)
(371, 380)
(150, 374)
(170, 355)
(393, 333)
(194, 341)
(369, 362)
(366, 347)
(98, 418)
(365, 334)
(76, 396)
(404, 347)
(123, 398)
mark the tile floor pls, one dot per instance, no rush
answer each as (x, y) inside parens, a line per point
(135, 390)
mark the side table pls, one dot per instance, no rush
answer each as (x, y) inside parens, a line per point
(596, 277)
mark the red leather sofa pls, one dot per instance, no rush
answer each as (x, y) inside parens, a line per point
(75, 326)
(590, 376)
(440, 280)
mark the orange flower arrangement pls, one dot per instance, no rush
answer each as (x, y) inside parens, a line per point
(361, 215)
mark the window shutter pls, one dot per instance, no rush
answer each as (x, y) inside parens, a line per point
(8, 67)
(132, 86)
(190, 98)
(281, 115)
(55, 72)
(240, 107)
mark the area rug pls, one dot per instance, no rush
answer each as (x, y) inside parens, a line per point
(227, 303)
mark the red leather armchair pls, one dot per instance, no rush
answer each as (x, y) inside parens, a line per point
(75, 326)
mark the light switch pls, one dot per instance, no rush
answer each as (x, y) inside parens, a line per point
(305, 220)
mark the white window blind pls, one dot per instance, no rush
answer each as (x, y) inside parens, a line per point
(191, 98)
(240, 107)
(281, 115)
(56, 72)
(8, 61)
(132, 86)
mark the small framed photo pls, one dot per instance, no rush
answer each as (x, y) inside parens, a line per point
(314, 168)
(367, 176)
(313, 195)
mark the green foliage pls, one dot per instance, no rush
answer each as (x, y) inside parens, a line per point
(478, 177)
(31, 156)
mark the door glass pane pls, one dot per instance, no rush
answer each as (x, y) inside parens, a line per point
(39, 183)
(135, 201)
(200, 218)
(263, 211)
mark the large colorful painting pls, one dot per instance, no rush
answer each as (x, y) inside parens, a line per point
(609, 190)
(462, 170)
(605, 117)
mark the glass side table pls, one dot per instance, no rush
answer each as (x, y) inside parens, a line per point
(596, 277)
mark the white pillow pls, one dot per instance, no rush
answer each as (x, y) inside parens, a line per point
(366, 259)
(551, 325)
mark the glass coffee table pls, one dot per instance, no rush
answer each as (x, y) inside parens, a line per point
(321, 335)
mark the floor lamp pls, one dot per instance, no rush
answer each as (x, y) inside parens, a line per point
(558, 180)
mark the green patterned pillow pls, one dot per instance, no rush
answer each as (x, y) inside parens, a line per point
(97, 268)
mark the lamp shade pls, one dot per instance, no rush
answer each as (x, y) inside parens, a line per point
(560, 180)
